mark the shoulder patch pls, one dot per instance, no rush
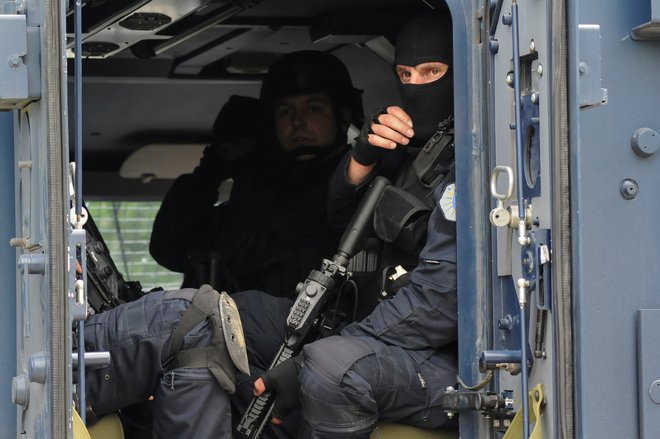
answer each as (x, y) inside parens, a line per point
(448, 202)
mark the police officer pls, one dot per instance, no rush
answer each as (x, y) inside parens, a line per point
(171, 345)
(394, 364)
(273, 230)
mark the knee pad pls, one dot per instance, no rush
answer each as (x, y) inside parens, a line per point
(227, 352)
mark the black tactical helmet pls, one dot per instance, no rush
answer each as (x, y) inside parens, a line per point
(310, 71)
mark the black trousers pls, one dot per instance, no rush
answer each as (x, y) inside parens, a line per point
(187, 402)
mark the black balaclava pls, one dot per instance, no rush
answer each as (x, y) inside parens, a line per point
(425, 39)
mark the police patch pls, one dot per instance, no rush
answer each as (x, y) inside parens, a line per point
(448, 202)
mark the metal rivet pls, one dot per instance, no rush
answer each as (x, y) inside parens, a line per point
(654, 392)
(509, 79)
(38, 367)
(583, 67)
(494, 46)
(532, 46)
(539, 70)
(629, 188)
(15, 61)
(20, 390)
(505, 323)
(645, 142)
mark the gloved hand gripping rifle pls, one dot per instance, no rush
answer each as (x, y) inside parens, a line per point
(313, 293)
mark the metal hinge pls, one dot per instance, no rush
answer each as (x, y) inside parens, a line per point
(591, 94)
(20, 81)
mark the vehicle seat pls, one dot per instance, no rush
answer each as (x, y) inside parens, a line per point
(398, 431)
(108, 427)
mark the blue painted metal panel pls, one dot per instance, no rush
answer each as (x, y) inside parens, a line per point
(615, 240)
(8, 276)
(471, 227)
(648, 365)
(520, 62)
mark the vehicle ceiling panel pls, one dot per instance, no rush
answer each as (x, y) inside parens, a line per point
(170, 81)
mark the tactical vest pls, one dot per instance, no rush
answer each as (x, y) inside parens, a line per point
(401, 218)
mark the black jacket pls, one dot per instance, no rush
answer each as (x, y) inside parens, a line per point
(271, 233)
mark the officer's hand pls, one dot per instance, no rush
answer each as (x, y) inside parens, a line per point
(237, 140)
(235, 149)
(228, 159)
(388, 127)
(212, 169)
(282, 382)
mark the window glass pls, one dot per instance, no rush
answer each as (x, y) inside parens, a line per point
(126, 228)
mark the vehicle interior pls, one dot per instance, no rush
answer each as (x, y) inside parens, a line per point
(156, 73)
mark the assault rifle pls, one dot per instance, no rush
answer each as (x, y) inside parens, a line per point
(106, 287)
(305, 316)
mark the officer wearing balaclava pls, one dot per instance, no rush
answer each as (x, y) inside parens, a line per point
(389, 145)
(423, 66)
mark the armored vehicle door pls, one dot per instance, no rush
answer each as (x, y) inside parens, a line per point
(555, 195)
(34, 155)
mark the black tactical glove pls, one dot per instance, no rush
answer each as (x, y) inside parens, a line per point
(229, 159)
(364, 152)
(282, 381)
(212, 169)
(237, 136)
